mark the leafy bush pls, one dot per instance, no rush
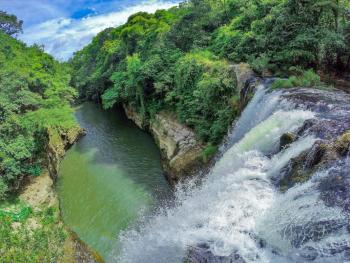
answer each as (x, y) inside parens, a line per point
(307, 79)
(178, 59)
(34, 96)
(203, 91)
(208, 152)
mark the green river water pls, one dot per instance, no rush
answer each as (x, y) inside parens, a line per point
(109, 178)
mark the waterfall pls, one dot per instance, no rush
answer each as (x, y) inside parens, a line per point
(237, 213)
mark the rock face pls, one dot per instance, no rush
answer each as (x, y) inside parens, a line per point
(243, 74)
(132, 114)
(179, 146)
(246, 81)
(180, 149)
(40, 192)
(57, 145)
(332, 127)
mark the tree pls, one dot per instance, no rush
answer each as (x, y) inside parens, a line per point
(9, 24)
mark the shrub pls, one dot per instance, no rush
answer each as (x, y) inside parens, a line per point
(307, 79)
(208, 152)
(3, 189)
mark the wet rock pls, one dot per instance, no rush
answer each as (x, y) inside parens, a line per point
(331, 107)
(286, 139)
(309, 253)
(347, 254)
(243, 73)
(315, 155)
(133, 115)
(246, 82)
(315, 231)
(335, 188)
(203, 254)
(76, 251)
(295, 172)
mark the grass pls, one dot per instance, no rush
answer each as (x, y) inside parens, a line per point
(30, 236)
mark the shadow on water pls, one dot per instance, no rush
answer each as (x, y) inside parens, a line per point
(110, 178)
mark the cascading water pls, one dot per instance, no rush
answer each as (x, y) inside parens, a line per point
(237, 214)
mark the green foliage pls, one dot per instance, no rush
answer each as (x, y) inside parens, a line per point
(208, 152)
(178, 59)
(3, 189)
(9, 24)
(203, 89)
(307, 79)
(286, 33)
(23, 241)
(34, 96)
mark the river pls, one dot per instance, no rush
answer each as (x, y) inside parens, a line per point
(109, 178)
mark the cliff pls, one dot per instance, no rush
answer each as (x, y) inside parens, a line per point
(179, 146)
(58, 143)
(181, 150)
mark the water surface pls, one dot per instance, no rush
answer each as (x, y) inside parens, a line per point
(109, 178)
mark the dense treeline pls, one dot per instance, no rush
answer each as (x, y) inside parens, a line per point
(179, 60)
(34, 97)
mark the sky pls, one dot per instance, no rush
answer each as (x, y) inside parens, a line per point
(65, 26)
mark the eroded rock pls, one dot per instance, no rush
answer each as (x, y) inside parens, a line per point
(179, 146)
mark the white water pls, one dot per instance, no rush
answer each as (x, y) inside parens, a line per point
(236, 205)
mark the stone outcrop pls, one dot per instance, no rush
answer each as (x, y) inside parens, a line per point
(179, 146)
(243, 74)
(133, 115)
(58, 143)
(246, 82)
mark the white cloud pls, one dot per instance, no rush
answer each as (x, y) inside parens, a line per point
(33, 11)
(62, 37)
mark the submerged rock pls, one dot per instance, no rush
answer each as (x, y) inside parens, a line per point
(331, 126)
(286, 139)
(335, 188)
(202, 254)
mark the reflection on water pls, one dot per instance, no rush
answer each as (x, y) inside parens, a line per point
(109, 177)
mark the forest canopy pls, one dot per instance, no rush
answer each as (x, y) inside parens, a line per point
(34, 97)
(179, 59)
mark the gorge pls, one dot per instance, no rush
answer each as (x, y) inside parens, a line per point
(248, 207)
(215, 131)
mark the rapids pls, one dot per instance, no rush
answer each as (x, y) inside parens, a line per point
(237, 213)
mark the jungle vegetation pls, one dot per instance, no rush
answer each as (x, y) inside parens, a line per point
(34, 96)
(179, 59)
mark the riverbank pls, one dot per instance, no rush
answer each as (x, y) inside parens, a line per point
(74, 249)
(109, 179)
(31, 226)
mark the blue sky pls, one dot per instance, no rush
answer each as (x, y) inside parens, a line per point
(65, 26)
